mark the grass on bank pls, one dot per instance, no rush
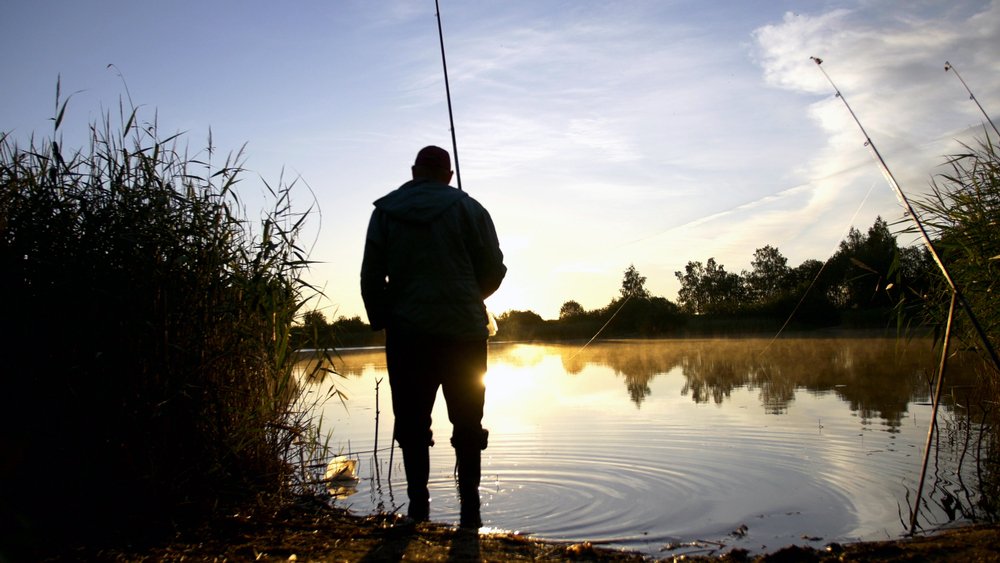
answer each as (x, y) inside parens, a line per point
(148, 378)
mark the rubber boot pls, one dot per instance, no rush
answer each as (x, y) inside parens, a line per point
(469, 474)
(416, 464)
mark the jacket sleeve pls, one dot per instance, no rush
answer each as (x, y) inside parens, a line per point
(488, 261)
(374, 272)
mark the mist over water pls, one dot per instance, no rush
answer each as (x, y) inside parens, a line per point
(703, 444)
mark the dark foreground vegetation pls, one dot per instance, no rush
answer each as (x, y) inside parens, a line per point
(318, 533)
(147, 378)
(149, 399)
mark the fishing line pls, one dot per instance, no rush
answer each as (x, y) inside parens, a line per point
(850, 223)
(948, 66)
(600, 330)
(447, 92)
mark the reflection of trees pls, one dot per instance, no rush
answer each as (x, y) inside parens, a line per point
(775, 391)
(877, 377)
(717, 375)
(637, 362)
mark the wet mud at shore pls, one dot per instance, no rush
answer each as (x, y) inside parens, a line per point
(311, 533)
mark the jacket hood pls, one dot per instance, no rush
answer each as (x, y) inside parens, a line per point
(419, 201)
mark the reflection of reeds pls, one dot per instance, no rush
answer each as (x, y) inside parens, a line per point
(345, 363)
(965, 481)
(150, 357)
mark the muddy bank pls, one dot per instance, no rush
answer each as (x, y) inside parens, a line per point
(312, 533)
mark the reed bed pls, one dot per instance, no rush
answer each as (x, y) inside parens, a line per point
(963, 210)
(148, 378)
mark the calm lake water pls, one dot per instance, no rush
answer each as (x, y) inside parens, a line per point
(679, 446)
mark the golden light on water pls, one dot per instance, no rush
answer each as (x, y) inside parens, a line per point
(506, 383)
(519, 388)
(698, 429)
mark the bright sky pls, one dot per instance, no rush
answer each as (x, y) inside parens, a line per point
(598, 134)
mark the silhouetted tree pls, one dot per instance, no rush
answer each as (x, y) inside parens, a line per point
(807, 274)
(808, 295)
(313, 319)
(634, 284)
(641, 316)
(862, 265)
(769, 277)
(913, 277)
(709, 288)
(520, 325)
(570, 309)
(352, 331)
(350, 325)
(691, 295)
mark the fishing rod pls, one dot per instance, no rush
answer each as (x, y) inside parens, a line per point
(948, 66)
(447, 92)
(956, 294)
(916, 220)
(935, 404)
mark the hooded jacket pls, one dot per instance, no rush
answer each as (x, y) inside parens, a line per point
(431, 258)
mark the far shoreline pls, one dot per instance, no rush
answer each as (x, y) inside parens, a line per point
(800, 334)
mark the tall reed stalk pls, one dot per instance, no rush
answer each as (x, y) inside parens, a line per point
(148, 377)
(963, 212)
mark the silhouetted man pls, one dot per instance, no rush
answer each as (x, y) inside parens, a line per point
(431, 258)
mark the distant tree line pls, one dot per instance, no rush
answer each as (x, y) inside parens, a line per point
(343, 332)
(864, 284)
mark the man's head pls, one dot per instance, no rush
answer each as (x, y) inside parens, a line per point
(432, 163)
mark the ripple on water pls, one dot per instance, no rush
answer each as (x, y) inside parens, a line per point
(677, 471)
(656, 488)
(642, 486)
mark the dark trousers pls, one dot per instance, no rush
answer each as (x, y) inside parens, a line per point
(417, 367)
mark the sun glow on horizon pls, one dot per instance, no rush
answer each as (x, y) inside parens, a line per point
(508, 298)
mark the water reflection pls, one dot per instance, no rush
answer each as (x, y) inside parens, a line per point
(650, 443)
(877, 377)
